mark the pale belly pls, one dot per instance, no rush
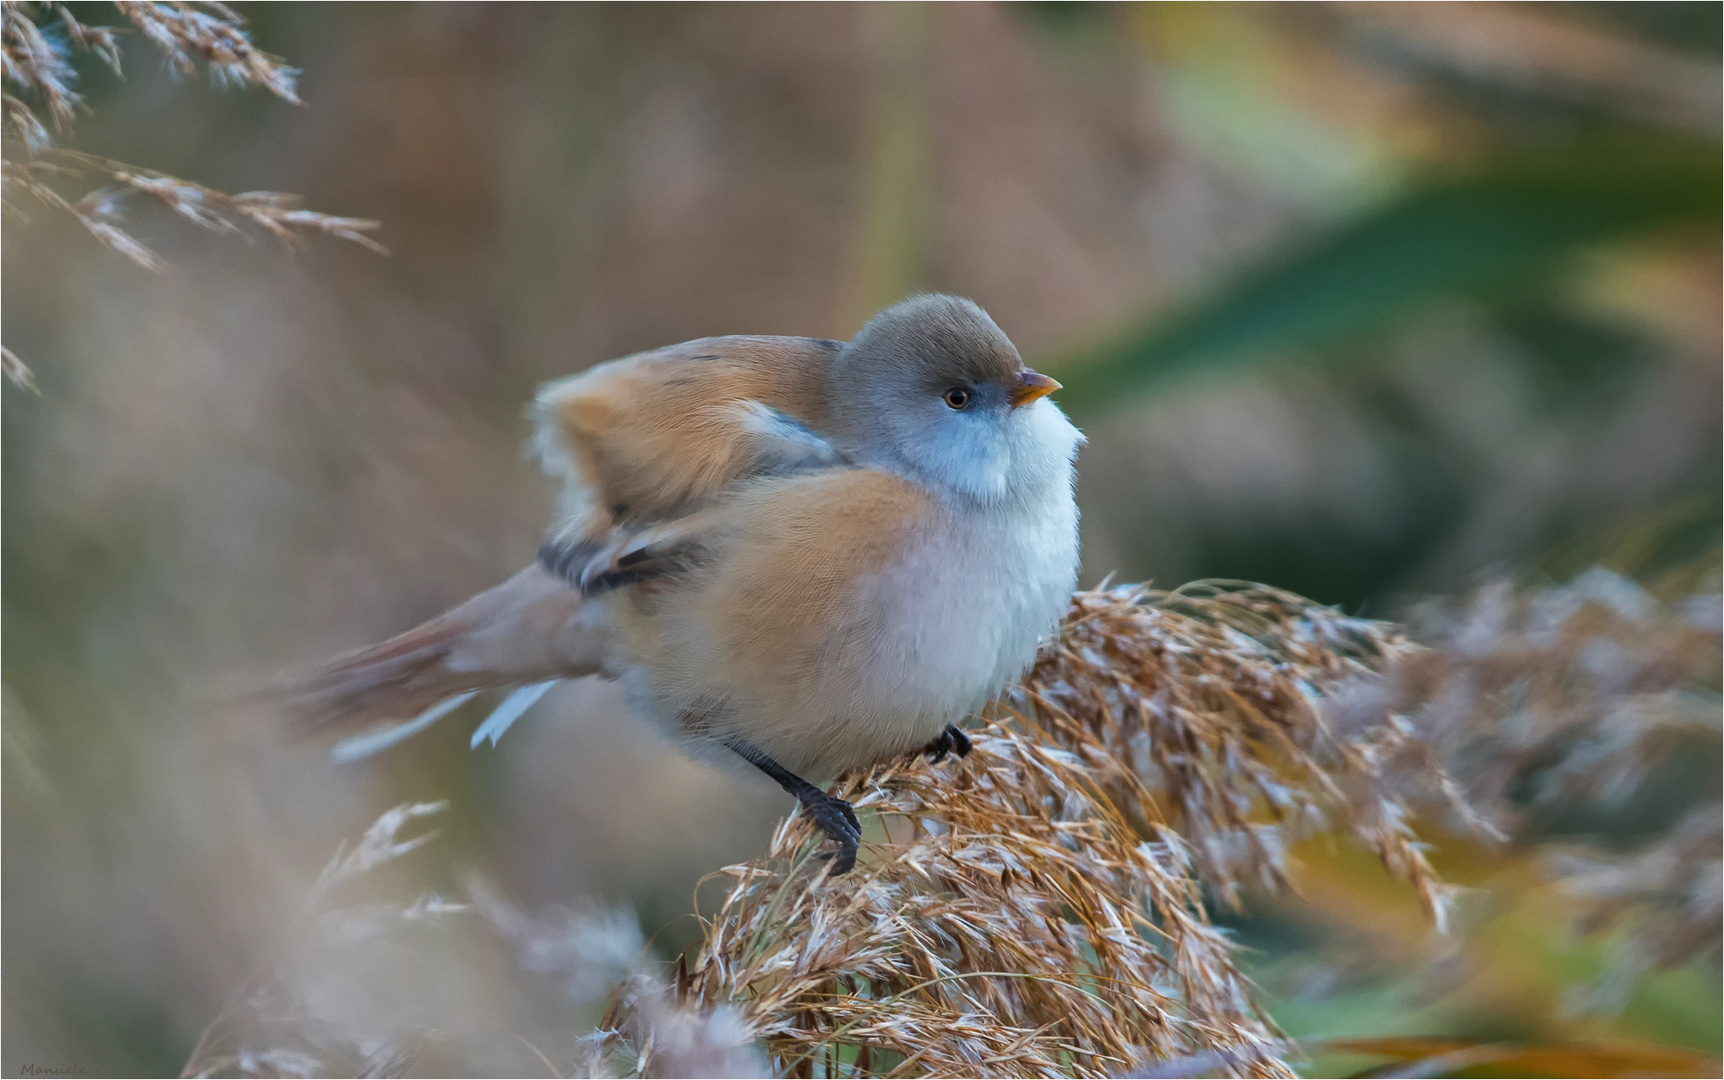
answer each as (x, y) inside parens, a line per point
(922, 643)
(952, 626)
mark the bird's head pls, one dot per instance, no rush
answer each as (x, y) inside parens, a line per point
(933, 387)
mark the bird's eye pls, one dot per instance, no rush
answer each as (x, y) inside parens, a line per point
(957, 397)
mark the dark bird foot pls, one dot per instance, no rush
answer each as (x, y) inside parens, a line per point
(836, 818)
(951, 741)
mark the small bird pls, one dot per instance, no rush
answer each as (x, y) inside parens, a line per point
(806, 553)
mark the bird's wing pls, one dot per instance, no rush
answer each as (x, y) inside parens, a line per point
(642, 446)
(762, 443)
(654, 437)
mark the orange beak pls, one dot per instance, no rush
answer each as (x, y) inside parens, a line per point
(1031, 386)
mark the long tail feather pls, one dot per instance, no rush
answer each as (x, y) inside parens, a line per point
(509, 710)
(366, 743)
(530, 629)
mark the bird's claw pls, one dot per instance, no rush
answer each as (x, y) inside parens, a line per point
(838, 821)
(950, 741)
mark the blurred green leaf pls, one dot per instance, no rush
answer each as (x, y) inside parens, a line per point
(1502, 228)
(1418, 1057)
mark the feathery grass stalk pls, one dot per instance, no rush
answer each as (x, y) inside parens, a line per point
(36, 64)
(1039, 908)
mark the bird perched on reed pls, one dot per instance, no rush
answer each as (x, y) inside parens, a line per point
(807, 553)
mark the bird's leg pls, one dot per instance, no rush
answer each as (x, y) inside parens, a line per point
(834, 816)
(951, 741)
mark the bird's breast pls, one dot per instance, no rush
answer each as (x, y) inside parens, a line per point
(829, 635)
(964, 613)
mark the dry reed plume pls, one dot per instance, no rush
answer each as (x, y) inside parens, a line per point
(265, 1028)
(1214, 694)
(1570, 695)
(1011, 922)
(1038, 908)
(36, 42)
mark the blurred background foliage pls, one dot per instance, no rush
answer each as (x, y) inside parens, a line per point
(1360, 300)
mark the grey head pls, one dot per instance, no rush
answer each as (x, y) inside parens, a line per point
(932, 388)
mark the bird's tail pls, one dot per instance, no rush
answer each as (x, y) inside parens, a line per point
(526, 633)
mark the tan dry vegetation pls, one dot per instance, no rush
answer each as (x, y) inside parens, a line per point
(1039, 908)
(1541, 700)
(37, 67)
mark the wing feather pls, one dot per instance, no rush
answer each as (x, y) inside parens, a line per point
(656, 436)
(647, 444)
